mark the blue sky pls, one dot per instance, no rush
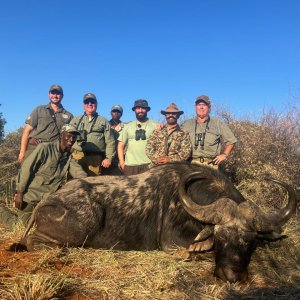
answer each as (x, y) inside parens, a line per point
(244, 54)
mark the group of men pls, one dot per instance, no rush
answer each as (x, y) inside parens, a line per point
(56, 146)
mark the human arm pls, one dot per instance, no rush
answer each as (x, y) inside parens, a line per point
(24, 141)
(151, 146)
(121, 147)
(110, 146)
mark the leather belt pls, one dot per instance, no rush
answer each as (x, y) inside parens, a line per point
(203, 159)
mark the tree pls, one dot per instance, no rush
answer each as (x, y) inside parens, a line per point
(2, 123)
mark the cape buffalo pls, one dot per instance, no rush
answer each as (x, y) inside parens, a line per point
(177, 204)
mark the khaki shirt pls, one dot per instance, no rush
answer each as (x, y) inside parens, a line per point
(43, 172)
(44, 126)
(99, 135)
(216, 132)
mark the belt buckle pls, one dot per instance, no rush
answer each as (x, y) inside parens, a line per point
(201, 159)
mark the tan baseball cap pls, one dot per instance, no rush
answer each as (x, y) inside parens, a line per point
(204, 99)
(70, 128)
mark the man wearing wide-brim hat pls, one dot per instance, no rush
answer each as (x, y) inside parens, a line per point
(211, 138)
(170, 143)
(134, 137)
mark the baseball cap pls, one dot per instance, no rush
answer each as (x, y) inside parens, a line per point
(118, 108)
(204, 99)
(56, 87)
(89, 96)
(70, 128)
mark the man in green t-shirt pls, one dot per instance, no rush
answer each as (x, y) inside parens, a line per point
(211, 138)
(134, 137)
(42, 173)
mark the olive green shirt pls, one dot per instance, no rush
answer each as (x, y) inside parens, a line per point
(99, 135)
(216, 133)
(43, 171)
(45, 127)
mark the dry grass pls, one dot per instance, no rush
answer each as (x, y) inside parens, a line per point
(106, 274)
(269, 146)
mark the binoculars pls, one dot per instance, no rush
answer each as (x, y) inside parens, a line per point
(140, 134)
(199, 139)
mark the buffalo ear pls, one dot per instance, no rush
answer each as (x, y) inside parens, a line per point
(271, 236)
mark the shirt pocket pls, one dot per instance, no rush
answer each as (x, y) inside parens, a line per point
(212, 138)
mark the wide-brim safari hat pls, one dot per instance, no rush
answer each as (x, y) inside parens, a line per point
(172, 108)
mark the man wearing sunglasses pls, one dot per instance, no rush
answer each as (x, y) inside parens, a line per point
(44, 123)
(134, 137)
(96, 146)
(170, 143)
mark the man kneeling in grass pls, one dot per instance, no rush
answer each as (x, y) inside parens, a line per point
(42, 173)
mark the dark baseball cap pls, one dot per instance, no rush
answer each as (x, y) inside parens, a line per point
(204, 99)
(141, 103)
(89, 96)
(56, 87)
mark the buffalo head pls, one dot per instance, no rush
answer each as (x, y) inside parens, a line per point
(233, 229)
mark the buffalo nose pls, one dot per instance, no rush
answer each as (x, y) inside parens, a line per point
(227, 274)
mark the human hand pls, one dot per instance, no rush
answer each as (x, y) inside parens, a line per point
(162, 160)
(122, 166)
(106, 163)
(18, 200)
(219, 158)
(21, 157)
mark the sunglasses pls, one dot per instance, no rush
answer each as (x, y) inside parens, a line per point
(87, 101)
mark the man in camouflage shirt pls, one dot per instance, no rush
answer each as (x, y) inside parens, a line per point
(170, 143)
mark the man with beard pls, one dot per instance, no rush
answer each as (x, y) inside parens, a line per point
(134, 137)
(211, 138)
(170, 143)
(44, 123)
(42, 173)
